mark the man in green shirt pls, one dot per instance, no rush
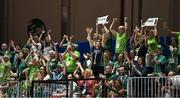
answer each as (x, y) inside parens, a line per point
(70, 57)
(120, 36)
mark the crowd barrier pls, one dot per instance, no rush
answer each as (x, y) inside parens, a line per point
(10, 89)
(165, 87)
(168, 87)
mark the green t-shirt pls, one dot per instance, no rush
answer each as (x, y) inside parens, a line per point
(178, 36)
(33, 69)
(152, 44)
(121, 42)
(2, 68)
(70, 62)
(7, 69)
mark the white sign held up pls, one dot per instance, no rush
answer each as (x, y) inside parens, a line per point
(102, 20)
(150, 22)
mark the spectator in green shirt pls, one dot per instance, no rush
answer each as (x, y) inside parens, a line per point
(152, 44)
(120, 36)
(70, 57)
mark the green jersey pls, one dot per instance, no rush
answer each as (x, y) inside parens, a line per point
(70, 62)
(2, 68)
(33, 71)
(121, 42)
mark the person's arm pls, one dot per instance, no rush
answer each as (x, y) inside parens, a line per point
(61, 43)
(32, 40)
(105, 28)
(27, 57)
(74, 55)
(49, 36)
(25, 71)
(103, 40)
(40, 37)
(173, 33)
(144, 31)
(63, 54)
(48, 71)
(75, 71)
(127, 58)
(136, 70)
(12, 44)
(135, 38)
(111, 27)
(155, 31)
(80, 66)
(104, 36)
(51, 41)
(97, 29)
(145, 41)
(89, 32)
(125, 24)
(43, 62)
(36, 56)
(132, 39)
(28, 42)
(64, 69)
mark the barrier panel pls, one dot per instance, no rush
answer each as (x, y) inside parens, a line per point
(49, 89)
(10, 89)
(154, 87)
(168, 87)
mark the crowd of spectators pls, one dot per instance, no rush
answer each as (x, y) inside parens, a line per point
(39, 59)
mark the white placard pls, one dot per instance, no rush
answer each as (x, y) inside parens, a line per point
(102, 20)
(150, 22)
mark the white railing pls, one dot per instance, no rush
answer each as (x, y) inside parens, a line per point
(154, 87)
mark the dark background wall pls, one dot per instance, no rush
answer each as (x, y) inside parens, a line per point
(72, 16)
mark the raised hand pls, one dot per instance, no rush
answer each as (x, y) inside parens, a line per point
(64, 37)
(115, 19)
(88, 29)
(49, 31)
(125, 19)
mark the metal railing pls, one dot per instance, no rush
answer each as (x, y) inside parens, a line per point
(136, 87)
(10, 89)
(154, 87)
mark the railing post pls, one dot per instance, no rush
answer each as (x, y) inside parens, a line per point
(104, 89)
(31, 89)
(67, 85)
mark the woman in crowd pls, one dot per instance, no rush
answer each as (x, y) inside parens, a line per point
(87, 86)
(152, 44)
(97, 52)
